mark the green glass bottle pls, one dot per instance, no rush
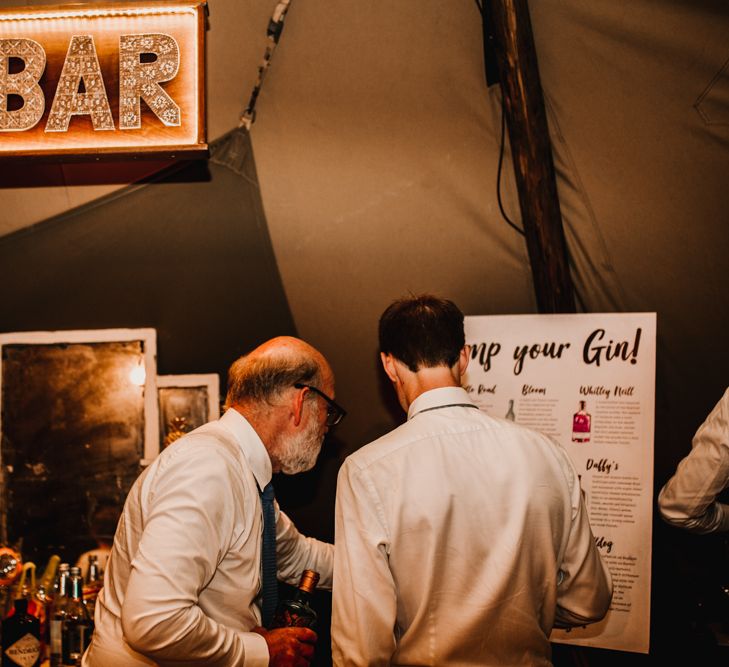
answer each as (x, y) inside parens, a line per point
(77, 626)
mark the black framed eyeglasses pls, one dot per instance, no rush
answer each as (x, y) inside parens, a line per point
(335, 412)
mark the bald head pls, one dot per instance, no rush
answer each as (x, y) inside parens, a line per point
(273, 367)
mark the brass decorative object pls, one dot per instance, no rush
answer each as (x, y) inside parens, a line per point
(177, 427)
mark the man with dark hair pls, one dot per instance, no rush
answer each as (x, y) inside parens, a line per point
(461, 539)
(201, 540)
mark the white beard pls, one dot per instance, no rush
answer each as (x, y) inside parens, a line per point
(299, 454)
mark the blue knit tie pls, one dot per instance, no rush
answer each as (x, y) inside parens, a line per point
(269, 588)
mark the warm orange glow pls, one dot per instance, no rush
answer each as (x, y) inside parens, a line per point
(72, 13)
(127, 103)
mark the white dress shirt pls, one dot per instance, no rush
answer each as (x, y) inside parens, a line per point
(183, 579)
(460, 540)
(688, 499)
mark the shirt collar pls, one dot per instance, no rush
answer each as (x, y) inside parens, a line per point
(440, 397)
(251, 445)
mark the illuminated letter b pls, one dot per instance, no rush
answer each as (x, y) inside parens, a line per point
(24, 84)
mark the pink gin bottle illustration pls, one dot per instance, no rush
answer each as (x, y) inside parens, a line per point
(581, 425)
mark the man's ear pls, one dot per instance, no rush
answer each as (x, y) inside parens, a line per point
(298, 405)
(388, 363)
(463, 358)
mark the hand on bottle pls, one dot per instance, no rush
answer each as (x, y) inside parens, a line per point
(289, 647)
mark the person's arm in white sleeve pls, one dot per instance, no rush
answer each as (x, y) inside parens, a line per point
(296, 553)
(189, 527)
(688, 499)
(584, 584)
(364, 602)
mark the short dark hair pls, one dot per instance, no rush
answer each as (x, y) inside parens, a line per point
(262, 379)
(422, 331)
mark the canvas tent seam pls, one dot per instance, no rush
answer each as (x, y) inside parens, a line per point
(157, 178)
(707, 92)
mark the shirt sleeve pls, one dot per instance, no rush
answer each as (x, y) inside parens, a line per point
(364, 603)
(689, 499)
(189, 528)
(584, 584)
(296, 553)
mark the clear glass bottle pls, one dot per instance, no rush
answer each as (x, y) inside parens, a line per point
(76, 626)
(21, 637)
(44, 598)
(58, 613)
(93, 584)
(297, 611)
(581, 422)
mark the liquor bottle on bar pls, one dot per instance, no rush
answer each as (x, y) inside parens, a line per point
(93, 584)
(27, 589)
(581, 425)
(76, 626)
(58, 613)
(21, 637)
(44, 597)
(297, 611)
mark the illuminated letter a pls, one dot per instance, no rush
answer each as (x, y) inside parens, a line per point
(80, 67)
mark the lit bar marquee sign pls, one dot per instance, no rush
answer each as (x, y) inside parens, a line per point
(103, 78)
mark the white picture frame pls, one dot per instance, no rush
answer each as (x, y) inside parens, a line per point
(78, 417)
(208, 384)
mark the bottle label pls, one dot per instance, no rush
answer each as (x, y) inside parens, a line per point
(56, 634)
(25, 652)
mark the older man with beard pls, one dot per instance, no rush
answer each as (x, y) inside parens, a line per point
(184, 579)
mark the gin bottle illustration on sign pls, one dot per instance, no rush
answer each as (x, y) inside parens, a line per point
(581, 423)
(510, 412)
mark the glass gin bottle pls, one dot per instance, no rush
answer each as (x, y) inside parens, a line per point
(77, 625)
(57, 613)
(297, 611)
(21, 637)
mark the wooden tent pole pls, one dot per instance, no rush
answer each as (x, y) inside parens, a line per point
(532, 155)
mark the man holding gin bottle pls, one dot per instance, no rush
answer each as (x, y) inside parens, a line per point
(187, 579)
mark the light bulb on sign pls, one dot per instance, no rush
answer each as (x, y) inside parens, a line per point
(138, 375)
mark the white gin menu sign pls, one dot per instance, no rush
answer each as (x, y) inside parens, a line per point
(588, 381)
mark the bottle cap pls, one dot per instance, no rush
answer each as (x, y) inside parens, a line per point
(309, 580)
